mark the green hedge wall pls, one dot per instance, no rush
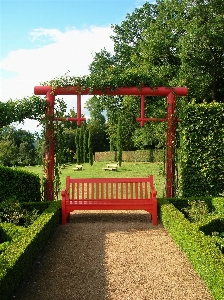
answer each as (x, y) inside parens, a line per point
(204, 255)
(19, 185)
(152, 155)
(202, 147)
(25, 246)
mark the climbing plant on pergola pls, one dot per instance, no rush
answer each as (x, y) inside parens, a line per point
(169, 92)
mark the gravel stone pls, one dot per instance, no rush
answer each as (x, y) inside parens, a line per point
(112, 255)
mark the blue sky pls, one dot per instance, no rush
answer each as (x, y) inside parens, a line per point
(44, 39)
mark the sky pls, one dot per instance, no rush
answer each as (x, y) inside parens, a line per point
(41, 40)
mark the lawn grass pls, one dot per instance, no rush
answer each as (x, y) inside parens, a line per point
(127, 170)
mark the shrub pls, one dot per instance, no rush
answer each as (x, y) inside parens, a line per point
(24, 248)
(202, 161)
(201, 250)
(19, 185)
(12, 211)
(196, 211)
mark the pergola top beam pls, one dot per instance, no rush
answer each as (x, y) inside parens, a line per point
(133, 91)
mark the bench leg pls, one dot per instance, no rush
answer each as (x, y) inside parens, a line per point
(154, 213)
(154, 219)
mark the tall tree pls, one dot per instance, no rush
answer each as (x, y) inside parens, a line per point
(85, 144)
(119, 142)
(8, 153)
(81, 143)
(97, 124)
(77, 141)
(202, 50)
(24, 141)
(90, 148)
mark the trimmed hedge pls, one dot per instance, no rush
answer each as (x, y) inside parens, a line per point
(20, 185)
(201, 250)
(202, 147)
(152, 155)
(21, 253)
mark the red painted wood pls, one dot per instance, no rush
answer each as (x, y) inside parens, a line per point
(109, 194)
(135, 91)
(170, 147)
(49, 151)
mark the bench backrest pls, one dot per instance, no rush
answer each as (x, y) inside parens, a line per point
(109, 188)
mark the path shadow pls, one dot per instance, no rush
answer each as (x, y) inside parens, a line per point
(73, 263)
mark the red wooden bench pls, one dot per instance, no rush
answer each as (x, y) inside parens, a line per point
(109, 194)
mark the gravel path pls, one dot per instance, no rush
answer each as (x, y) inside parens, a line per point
(112, 256)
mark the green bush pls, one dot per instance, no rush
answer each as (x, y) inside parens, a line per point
(202, 144)
(201, 250)
(12, 211)
(17, 259)
(215, 229)
(19, 185)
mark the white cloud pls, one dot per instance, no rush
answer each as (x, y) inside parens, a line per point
(52, 34)
(70, 50)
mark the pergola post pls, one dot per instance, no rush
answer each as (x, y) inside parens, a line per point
(49, 150)
(170, 147)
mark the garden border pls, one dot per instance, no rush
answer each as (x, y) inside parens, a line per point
(17, 260)
(206, 259)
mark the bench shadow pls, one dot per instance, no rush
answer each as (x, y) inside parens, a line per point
(73, 263)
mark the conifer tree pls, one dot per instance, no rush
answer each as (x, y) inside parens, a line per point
(119, 142)
(90, 148)
(77, 141)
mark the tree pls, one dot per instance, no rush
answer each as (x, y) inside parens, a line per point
(24, 141)
(202, 50)
(119, 142)
(77, 141)
(171, 43)
(90, 148)
(184, 46)
(97, 124)
(8, 153)
(128, 35)
(81, 142)
(85, 145)
(19, 109)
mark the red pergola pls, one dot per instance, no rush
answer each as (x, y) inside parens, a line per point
(171, 120)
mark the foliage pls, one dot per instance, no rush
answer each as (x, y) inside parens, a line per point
(17, 146)
(11, 211)
(85, 145)
(151, 155)
(202, 146)
(77, 143)
(90, 154)
(20, 254)
(119, 142)
(81, 141)
(8, 153)
(219, 237)
(97, 124)
(201, 250)
(17, 110)
(20, 185)
(201, 50)
(196, 211)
